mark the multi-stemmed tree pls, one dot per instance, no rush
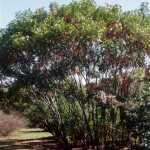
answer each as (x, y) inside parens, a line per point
(79, 66)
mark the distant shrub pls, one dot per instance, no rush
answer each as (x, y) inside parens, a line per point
(11, 122)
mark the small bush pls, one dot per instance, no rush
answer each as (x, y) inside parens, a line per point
(11, 122)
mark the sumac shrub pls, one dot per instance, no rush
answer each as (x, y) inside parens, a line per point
(11, 122)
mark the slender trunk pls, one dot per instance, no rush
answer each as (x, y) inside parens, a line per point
(86, 122)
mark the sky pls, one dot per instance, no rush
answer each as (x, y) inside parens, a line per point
(8, 8)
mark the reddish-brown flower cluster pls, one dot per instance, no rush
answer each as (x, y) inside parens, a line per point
(126, 83)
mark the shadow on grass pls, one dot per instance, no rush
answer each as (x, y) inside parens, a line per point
(33, 132)
(48, 143)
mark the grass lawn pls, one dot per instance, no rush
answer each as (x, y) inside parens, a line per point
(27, 139)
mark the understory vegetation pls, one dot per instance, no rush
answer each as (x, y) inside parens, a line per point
(11, 122)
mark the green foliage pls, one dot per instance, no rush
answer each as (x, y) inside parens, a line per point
(138, 115)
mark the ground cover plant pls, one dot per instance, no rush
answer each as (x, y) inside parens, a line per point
(81, 71)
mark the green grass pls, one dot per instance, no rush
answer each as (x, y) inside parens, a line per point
(23, 135)
(31, 134)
